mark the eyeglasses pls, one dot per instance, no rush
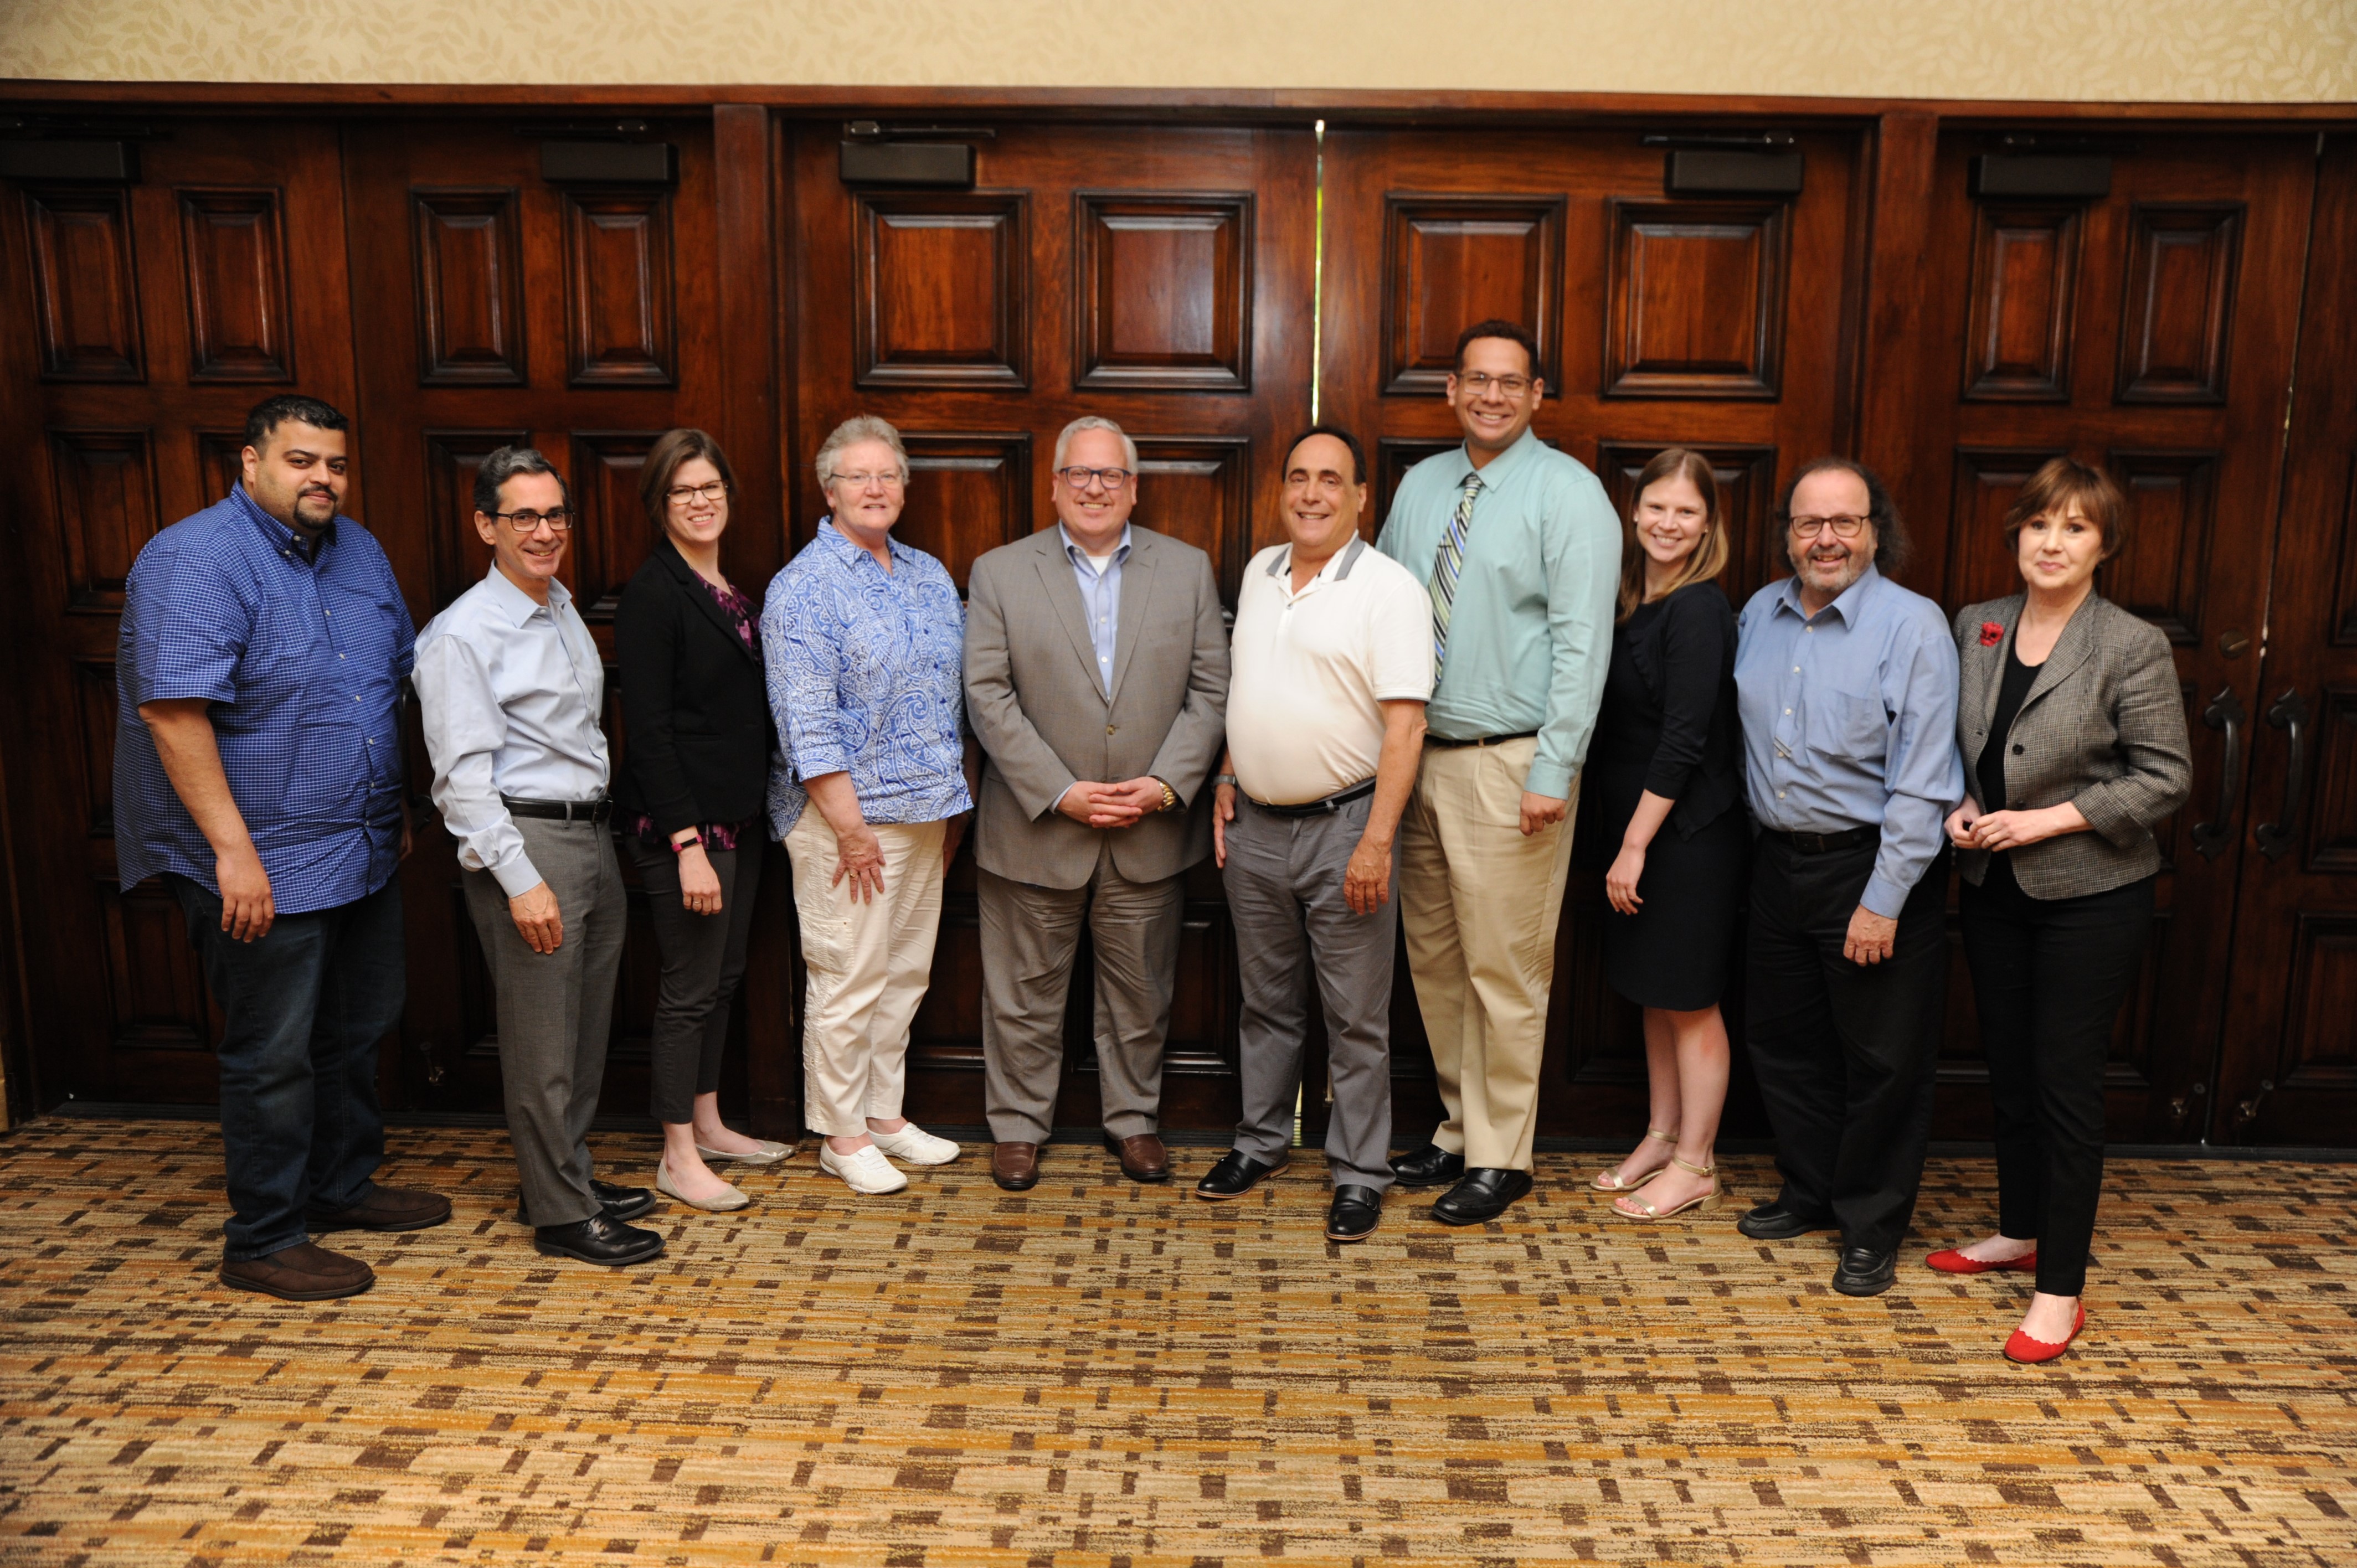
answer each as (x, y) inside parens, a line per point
(1080, 478)
(687, 495)
(1843, 527)
(1479, 383)
(557, 518)
(861, 481)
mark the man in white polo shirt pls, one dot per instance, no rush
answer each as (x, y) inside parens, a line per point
(1332, 663)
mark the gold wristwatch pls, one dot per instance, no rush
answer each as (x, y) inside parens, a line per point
(1169, 795)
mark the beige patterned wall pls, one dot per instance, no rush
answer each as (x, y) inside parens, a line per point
(2182, 50)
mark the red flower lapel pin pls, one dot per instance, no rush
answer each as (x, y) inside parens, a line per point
(1992, 633)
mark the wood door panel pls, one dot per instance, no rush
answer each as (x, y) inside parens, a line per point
(1987, 481)
(235, 240)
(2329, 844)
(944, 296)
(618, 299)
(1747, 499)
(2025, 284)
(1202, 490)
(2163, 571)
(2178, 303)
(1163, 288)
(610, 533)
(106, 511)
(1695, 299)
(470, 259)
(85, 287)
(967, 493)
(1450, 261)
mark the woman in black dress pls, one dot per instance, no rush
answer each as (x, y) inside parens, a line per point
(1665, 779)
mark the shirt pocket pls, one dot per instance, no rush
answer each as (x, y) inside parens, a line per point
(1844, 723)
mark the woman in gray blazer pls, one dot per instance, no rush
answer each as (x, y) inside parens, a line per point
(2073, 740)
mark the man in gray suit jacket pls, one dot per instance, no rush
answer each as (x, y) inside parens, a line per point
(1096, 678)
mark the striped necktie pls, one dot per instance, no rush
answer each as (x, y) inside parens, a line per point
(1445, 568)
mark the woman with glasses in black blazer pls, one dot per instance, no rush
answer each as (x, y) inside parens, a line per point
(695, 723)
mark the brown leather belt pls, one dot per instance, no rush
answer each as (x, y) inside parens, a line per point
(1442, 740)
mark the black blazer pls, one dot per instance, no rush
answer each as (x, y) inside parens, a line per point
(695, 713)
(1669, 724)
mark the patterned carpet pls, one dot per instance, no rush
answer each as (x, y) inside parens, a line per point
(1098, 1373)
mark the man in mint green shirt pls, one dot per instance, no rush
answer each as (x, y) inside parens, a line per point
(1520, 551)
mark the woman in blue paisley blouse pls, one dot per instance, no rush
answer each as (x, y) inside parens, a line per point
(864, 640)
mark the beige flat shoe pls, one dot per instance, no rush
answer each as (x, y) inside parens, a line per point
(1609, 1181)
(730, 1200)
(1701, 1201)
(769, 1154)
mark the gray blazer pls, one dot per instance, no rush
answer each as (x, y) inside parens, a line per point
(2102, 728)
(1033, 697)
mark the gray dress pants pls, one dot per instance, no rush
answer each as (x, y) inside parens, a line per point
(554, 1009)
(1030, 935)
(1284, 878)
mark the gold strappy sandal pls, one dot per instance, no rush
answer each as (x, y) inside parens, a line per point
(1701, 1201)
(1609, 1181)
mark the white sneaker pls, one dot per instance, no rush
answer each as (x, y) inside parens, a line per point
(866, 1171)
(917, 1146)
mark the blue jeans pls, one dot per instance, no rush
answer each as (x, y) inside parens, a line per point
(306, 1006)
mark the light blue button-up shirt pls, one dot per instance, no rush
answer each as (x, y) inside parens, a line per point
(865, 670)
(1849, 721)
(1100, 598)
(1530, 636)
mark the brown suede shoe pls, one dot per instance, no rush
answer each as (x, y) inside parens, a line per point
(384, 1209)
(1143, 1158)
(302, 1273)
(1015, 1166)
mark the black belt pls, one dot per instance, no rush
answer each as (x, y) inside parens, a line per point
(559, 810)
(1325, 807)
(1442, 740)
(1826, 843)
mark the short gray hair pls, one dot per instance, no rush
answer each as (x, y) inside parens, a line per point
(1090, 421)
(505, 463)
(859, 427)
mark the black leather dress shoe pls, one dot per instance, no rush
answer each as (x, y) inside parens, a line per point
(1865, 1272)
(1236, 1174)
(1431, 1166)
(1484, 1194)
(600, 1239)
(1357, 1210)
(1774, 1223)
(619, 1202)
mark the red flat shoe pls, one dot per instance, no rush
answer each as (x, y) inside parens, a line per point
(1952, 1261)
(2029, 1347)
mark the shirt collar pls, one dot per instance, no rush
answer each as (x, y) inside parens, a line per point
(519, 605)
(1848, 604)
(1500, 466)
(1281, 568)
(849, 547)
(1075, 553)
(281, 537)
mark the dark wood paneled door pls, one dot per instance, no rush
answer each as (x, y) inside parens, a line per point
(2289, 1068)
(583, 316)
(1160, 276)
(2148, 331)
(1720, 322)
(146, 319)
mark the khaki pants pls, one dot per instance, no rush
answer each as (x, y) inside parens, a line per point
(1478, 908)
(869, 964)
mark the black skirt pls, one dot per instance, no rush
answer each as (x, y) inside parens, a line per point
(1678, 949)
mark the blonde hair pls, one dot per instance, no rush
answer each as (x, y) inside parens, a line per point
(1709, 557)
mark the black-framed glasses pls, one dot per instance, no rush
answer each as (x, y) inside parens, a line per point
(557, 518)
(1844, 526)
(715, 492)
(1080, 478)
(1479, 383)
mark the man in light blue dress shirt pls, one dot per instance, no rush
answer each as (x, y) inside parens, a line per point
(509, 688)
(1519, 549)
(1846, 685)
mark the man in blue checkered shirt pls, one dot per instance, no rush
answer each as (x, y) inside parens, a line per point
(257, 770)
